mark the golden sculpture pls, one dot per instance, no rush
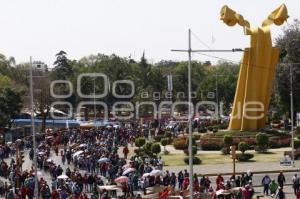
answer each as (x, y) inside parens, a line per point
(257, 70)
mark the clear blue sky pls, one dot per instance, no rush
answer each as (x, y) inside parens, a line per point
(40, 28)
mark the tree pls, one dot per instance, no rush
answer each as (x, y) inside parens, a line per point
(62, 69)
(155, 148)
(42, 97)
(164, 142)
(243, 147)
(262, 140)
(288, 44)
(228, 141)
(10, 105)
(139, 142)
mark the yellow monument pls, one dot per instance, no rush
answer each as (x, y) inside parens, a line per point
(257, 70)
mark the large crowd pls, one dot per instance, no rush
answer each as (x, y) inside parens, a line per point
(95, 168)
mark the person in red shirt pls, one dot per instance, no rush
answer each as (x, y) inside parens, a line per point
(219, 179)
(125, 151)
(23, 192)
(298, 194)
(54, 194)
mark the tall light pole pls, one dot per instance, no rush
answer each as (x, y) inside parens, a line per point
(95, 101)
(292, 114)
(33, 132)
(217, 96)
(190, 116)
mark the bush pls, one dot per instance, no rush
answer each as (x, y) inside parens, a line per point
(225, 150)
(158, 138)
(139, 142)
(210, 128)
(194, 149)
(228, 140)
(202, 130)
(147, 148)
(244, 157)
(298, 137)
(262, 141)
(196, 160)
(180, 144)
(243, 147)
(215, 129)
(164, 142)
(155, 148)
(138, 151)
(196, 137)
(168, 134)
(296, 144)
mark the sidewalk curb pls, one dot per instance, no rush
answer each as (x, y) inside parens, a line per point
(254, 172)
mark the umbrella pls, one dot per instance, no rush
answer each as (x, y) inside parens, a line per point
(49, 160)
(49, 137)
(77, 153)
(62, 177)
(122, 179)
(156, 172)
(146, 175)
(39, 173)
(83, 145)
(41, 153)
(129, 170)
(18, 140)
(103, 160)
(8, 143)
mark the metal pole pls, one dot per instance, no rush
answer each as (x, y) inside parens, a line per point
(217, 97)
(190, 117)
(33, 134)
(95, 102)
(292, 114)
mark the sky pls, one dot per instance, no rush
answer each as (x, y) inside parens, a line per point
(41, 28)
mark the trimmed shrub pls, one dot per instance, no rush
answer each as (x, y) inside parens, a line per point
(210, 128)
(158, 138)
(194, 149)
(244, 157)
(180, 144)
(243, 147)
(196, 160)
(262, 141)
(168, 134)
(215, 129)
(196, 137)
(164, 142)
(155, 148)
(202, 130)
(296, 144)
(147, 148)
(228, 140)
(139, 142)
(139, 151)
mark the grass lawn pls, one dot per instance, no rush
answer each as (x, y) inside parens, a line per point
(209, 159)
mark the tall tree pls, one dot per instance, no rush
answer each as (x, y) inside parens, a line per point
(289, 44)
(10, 105)
(62, 68)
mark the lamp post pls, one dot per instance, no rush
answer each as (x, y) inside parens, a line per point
(292, 114)
(33, 132)
(190, 149)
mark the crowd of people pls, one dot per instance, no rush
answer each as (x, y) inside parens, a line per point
(95, 164)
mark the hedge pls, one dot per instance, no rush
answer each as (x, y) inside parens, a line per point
(196, 160)
(244, 157)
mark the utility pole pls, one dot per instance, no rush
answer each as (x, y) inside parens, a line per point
(33, 133)
(292, 114)
(190, 116)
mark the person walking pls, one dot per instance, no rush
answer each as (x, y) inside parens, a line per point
(266, 182)
(281, 179)
(273, 187)
(296, 183)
